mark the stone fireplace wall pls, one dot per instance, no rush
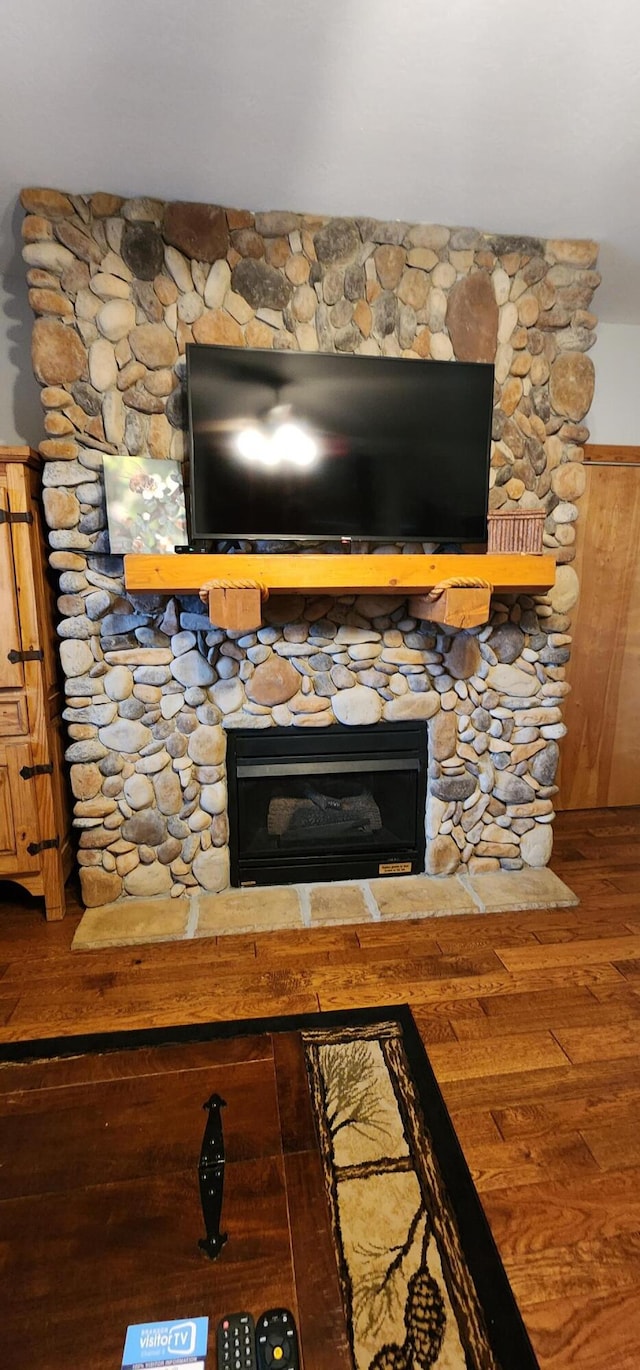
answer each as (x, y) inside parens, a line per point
(119, 287)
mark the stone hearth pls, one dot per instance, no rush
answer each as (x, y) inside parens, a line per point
(119, 288)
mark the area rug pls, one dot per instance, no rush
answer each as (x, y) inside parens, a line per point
(353, 1181)
(410, 1298)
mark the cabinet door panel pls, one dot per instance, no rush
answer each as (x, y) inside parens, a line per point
(13, 714)
(18, 812)
(10, 674)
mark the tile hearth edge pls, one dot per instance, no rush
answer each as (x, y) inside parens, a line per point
(272, 908)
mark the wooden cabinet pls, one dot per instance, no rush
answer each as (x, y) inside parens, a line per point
(34, 814)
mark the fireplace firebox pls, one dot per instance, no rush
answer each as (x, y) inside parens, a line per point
(338, 803)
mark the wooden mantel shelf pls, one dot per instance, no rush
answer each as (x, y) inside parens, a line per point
(238, 605)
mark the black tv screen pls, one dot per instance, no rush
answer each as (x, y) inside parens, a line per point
(317, 445)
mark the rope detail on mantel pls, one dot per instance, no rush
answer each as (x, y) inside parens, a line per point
(459, 583)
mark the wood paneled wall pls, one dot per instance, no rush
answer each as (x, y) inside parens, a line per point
(600, 757)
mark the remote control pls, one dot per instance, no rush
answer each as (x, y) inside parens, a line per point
(276, 1341)
(236, 1342)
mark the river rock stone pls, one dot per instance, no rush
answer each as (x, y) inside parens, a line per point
(146, 828)
(512, 789)
(410, 706)
(536, 845)
(168, 791)
(60, 507)
(443, 735)
(116, 319)
(51, 204)
(276, 223)
(507, 641)
(192, 669)
(273, 682)
(472, 318)
(564, 594)
(76, 657)
(148, 879)
(442, 855)
(138, 792)
(125, 735)
(545, 764)
(385, 313)
(213, 798)
(86, 781)
(511, 681)
(337, 241)
(571, 384)
(90, 750)
(98, 886)
(154, 345)
(103, 367)
(169, 851)
(216, 326)
(49, 257)
(142, 250)
(359, 705)
(463, 658)
(390, 263)
(118, 683)
(568, 481)
(198, 230)
(57, 353)
(228, 695)
(261, 285)
(217, 284)
(44, 301)
(207, 745)
(452, 788)
(211, 869)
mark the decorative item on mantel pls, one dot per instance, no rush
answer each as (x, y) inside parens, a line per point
(145, 504)
(516, 530)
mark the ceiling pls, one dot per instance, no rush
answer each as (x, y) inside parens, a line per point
(512, 118)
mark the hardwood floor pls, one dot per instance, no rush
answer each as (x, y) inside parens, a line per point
(532, 1023)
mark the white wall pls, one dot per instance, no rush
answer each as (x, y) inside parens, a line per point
(614, 417)
(20, 408)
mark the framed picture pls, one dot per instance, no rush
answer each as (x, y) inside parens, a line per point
(145, 504)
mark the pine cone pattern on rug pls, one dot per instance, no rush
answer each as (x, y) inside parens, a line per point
(390, 1358)
(425, 1319)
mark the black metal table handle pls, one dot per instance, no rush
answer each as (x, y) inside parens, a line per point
(211, 1177)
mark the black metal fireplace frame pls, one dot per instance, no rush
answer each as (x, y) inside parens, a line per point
(398, 743)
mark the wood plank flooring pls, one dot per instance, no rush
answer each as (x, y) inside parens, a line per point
(532, 1024)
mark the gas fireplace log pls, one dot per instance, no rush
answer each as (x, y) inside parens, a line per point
(287, 815)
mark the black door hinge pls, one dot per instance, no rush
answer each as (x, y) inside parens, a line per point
(35, 848)
(211, 1177)
(6, 516)
(36, 654)
(27, 772)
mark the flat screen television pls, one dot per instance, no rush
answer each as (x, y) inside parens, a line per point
(317, 445)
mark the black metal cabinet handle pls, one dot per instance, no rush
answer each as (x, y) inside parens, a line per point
(211, 1177)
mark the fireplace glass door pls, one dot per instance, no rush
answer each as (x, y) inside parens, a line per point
(347, 803)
